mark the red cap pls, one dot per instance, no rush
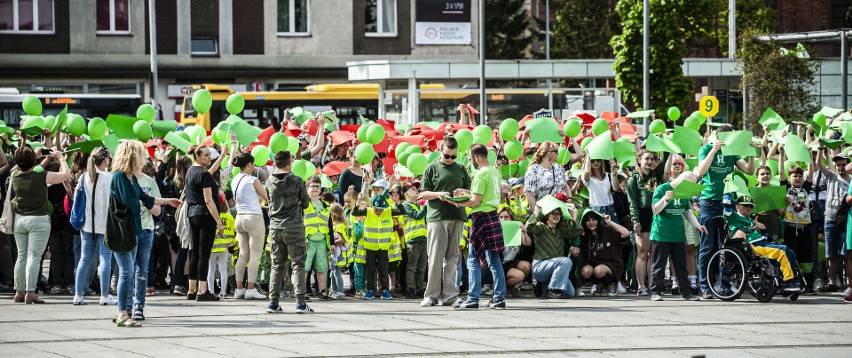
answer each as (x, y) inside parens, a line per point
(561, 196)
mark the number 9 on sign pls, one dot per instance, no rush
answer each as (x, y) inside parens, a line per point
(708, 106)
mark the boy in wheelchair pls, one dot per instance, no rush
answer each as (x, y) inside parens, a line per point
(742, 227)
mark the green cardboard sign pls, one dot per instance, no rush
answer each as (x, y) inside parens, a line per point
(512, 233)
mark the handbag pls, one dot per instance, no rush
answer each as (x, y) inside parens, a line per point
(7, 221)
(120, 233)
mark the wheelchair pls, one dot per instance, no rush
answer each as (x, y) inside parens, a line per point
(735, 269)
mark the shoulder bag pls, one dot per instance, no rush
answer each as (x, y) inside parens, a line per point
(7, 221)
(120, 233)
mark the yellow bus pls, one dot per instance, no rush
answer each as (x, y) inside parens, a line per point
(349, 100)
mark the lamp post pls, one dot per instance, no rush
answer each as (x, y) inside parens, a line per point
(645, 63)
(483, 110)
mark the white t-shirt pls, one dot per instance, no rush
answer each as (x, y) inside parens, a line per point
(149, 187)
(600, 191)
(248, 202)
(101, 201)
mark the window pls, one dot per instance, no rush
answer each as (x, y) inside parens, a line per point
(380, 18)
(293, 18)
(113, 16)
(26, 16)
(204, 46)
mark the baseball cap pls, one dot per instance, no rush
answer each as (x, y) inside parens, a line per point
(407, 186)
(381, 183)
(745, 200)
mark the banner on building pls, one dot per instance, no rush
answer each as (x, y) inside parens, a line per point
(442, 22)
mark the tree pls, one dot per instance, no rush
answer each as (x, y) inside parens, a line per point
(509, 30)
(773, 77)
(583, 28)
(712, 39)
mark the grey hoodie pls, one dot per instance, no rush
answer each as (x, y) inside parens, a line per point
(288, 199)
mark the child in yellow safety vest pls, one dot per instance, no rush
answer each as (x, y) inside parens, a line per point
(414, 227)
(397, 244)
(219, 255)
(340, 251)
(378, 227)
(317, 229)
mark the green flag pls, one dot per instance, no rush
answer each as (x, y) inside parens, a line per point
(177, 141)
(512, 233)
(544, 129)
(687, 189)
(736, 184)
(640, 114)
(768, 198)
(122, 126)
(624, 152)
(86, 146)
(796, 149)
(737, 143)
(111, 142)
(769, 113)
(830, 112)
(61, 118)
(601, 147)
(687, 139)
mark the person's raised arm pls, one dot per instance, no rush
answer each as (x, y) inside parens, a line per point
(746, 167)
(782, 176)
(622, 231)
(661, 200)
(704, 164)
(587, 170)
(319, 140)
(613, 176)
(820, 165)
(668, 168)
(63, 174)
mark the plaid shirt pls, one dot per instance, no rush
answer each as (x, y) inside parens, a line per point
(486, 233)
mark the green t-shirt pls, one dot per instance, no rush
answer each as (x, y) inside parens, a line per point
(667, 226)
(714, 179)
(149, 186)
(30, 193)
(439, 177)
(486, 182)
(737, 222)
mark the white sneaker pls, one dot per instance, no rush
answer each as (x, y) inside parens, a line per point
(239, 293)
(222, 296)
(252, 294)
(621, 289)
(108, 301)
(338, 296)
(848, 291)
(579, 293)
(428, 302)
(78, 300)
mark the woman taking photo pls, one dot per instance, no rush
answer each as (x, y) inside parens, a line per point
(248, 191)
(640, 189)
(202, 196)
(95, 182)
(32, 216)
(129, 159)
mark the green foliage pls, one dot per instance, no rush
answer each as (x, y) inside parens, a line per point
(775, 78)
(509, 30)
(583, 28)
(712, 38)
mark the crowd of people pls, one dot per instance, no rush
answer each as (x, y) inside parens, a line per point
(209, 224)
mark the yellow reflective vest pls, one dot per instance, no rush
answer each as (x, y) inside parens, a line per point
(378, 230)
(346, 255)
(316, 221)
(221, 242)
(413, 228)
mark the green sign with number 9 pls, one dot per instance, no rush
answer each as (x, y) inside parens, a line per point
(709, 106)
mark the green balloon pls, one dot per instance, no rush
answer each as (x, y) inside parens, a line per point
(142, 130)
(235, 103)
(562, 156)
(513, 149)
(278, 142)
(196, 133)
(293, 147)
(32, 106)
(402, 158)
(657, 126)
(260, 154)
(401, 147)
(375, 134)
(310, 170)
(482, 134)
(413, 149)
(145, 112)
(465, 138)
(509, 129)
(299, 168)
(599, 126)
(76, 125)
(49, 121)
(234, 171)
(492, 157)
(674, 113)
(362, 133)
(572, 128)
(522, 167)
(692, 123)
(202, 100)
(432, 156)
(417, 163)
(97, 128)
(364, 153)
(584, 144)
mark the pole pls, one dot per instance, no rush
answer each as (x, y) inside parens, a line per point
(645, 64)
(547, 54)
(483, 110)
(844, 70)
(152, 25)
(732, 28)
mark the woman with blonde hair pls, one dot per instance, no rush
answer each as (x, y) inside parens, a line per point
(129, 159)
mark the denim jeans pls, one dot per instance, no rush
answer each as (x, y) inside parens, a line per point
(144, 243)
(126, 267)
(336, 279)
(835, 240)
(360, 277)
(607, 210)
(556, 270)
(708, 209)
(495, 264)
(92, 247)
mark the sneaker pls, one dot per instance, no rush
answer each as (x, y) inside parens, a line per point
(465, 305)
(557, 294)
(428, 302)
(819, 283)
(707, 295)
(829, 287)
(487, 290)
(108, 301)
(369, 295)
(691, 298)
(642, 291)
(338, 296)
(179, 290)
(847, 291)
(579, 293)
(138, 315)
(56, 290)
(538, 290)
(253, 294)
(594, 289)
(621, 289)
(613, 290)
(809, 291)
(412, 294)
(304, 308)
(793, 287)
(499, 305)
(222, 296)
(273, 308)
(323, 295)
(386, 295)
(847, 299)
(359, 295)
(78, 300)
(206, 297)
(656, 297)
(240, 293)
(526, 286)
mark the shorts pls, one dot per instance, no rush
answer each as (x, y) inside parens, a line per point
(509, 265)
(394, 266)
(835, 238)
(646, 217)
(317, 257)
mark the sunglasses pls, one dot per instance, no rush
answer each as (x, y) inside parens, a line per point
(447, 156)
